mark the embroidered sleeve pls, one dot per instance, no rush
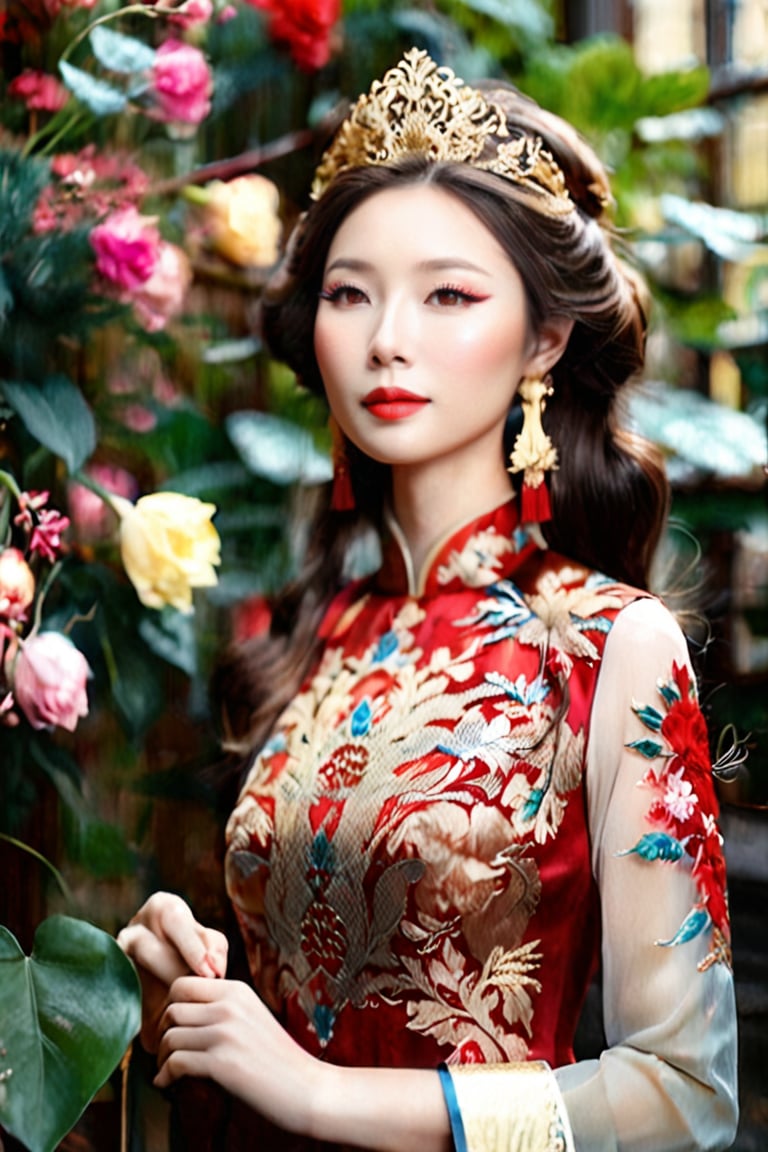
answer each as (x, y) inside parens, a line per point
(667, 1077)
(683, 809)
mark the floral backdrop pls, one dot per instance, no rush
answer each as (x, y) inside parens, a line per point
(152, 159)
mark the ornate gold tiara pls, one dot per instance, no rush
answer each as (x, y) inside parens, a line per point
(419, 107)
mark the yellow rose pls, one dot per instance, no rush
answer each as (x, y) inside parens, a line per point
(168, 546)
(243, 220)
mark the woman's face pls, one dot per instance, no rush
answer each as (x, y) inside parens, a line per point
(421, 334)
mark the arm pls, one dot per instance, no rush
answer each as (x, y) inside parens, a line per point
(668, 1078)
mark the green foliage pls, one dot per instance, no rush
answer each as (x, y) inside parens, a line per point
(70, 1011)
(597, 85)
(56, 415)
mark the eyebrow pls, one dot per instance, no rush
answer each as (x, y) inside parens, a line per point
(443, 264)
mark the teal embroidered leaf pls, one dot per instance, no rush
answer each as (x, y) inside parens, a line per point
(656, 846)
(387, 644)
(533, 803)
(591, 623)
(648, 748)
(670, 693)
(649, 716)
(361, 718)
(696, 922)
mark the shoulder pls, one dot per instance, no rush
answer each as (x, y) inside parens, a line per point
(644, 630)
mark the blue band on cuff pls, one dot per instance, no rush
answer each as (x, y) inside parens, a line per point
(452, 1104)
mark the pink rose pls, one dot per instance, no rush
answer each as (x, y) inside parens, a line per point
(17, 584)
(182, 83)
(162, 296)
(39, 90)
(127, 246)
(48, 680)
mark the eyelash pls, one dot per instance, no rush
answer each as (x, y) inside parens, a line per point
(335, 292)
(463, 294)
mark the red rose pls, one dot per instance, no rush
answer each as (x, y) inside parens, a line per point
(305, 26)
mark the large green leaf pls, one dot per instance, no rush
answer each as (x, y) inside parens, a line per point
(57, 415)
(68, 1013)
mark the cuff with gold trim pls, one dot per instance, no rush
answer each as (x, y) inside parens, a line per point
(505, 1108)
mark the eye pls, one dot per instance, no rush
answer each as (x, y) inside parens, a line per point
(449, 296)
(345, 295)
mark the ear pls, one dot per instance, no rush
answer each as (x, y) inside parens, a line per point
(551, 340)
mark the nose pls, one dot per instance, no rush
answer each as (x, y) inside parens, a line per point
(389, 338)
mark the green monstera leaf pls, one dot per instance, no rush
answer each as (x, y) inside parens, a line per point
(67, 1014)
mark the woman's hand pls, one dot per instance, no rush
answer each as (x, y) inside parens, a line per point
(165, 942)
(220, 1029)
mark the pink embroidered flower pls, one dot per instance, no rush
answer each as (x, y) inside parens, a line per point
(679, 798)
(182, 83)
(161, 297)
(17, 584)
(127, 245)
(48, 679)
(39, 90)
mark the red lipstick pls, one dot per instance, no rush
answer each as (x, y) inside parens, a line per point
(393, 403)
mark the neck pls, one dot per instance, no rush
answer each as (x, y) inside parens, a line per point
(429, 500)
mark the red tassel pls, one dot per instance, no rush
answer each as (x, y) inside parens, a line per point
(534, 504)
(342, 495)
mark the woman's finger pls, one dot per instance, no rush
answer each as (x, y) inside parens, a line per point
(150, 952)
(203, 950)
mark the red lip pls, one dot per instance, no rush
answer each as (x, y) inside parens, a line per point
(393, 403)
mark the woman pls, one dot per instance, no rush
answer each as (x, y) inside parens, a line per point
(485, 762)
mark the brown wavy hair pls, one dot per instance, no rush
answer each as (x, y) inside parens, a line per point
(609, 494)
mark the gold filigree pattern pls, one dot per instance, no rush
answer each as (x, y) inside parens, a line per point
(511, 1108)
(420, 108)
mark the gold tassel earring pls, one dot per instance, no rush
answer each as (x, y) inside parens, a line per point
(342, 496)
(534, 454)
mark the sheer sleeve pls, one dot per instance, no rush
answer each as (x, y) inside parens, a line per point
(668, 1077)
(667, 1080)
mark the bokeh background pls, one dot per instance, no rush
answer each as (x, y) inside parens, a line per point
(151, 158)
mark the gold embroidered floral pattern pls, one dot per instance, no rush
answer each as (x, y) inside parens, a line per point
(392, 832)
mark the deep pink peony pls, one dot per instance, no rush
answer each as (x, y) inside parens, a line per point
(127, 246)
(39, 90)
(49, 676)
(182, 83)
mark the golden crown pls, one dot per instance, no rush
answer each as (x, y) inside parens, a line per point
(419, 107)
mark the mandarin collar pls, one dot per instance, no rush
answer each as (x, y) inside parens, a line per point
(474, 554)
